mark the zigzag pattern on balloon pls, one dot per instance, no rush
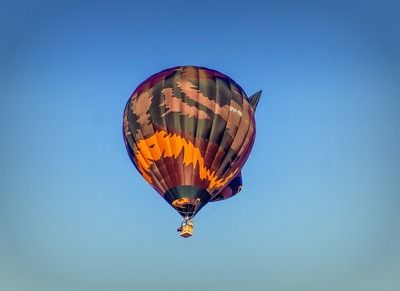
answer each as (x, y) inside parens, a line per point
(163, 145)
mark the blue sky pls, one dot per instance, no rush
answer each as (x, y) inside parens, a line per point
(319, 209)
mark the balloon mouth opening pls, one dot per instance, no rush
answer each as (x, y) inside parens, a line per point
(186, 206)
(187, 200)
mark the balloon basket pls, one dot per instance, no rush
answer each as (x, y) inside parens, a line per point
(186, 229)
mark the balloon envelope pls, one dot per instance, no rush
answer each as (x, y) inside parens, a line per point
(189, 130)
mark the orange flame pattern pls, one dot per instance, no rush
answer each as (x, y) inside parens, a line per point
(164, 145)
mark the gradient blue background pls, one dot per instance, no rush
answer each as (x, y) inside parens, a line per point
(321, 198)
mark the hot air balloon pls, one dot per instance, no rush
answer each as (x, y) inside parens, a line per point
(188, 131)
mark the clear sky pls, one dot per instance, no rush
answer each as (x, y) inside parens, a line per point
(320, 205)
